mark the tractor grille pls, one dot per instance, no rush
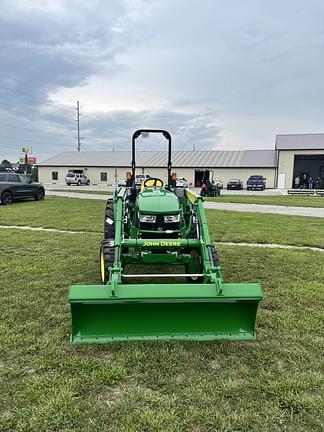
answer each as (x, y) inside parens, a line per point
(158, 229)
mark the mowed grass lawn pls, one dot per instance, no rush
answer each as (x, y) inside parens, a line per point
(87, 215)
(272, 384)
(83, 191)
(281, 200)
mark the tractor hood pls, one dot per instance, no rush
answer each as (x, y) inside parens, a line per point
(158, 201)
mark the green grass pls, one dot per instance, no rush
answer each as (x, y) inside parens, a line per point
(282, 200)
(265, 228)
(273, 384)
(87, 215)
(83, 191)
(56, 212)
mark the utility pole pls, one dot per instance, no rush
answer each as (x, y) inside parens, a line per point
(78, 121)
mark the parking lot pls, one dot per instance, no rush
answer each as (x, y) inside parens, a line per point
(63, 186)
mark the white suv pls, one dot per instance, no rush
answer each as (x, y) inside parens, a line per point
(181, 182)
(77, 179)
(140, 178)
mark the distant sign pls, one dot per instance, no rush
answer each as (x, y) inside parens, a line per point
(31, 160)
(26, 150)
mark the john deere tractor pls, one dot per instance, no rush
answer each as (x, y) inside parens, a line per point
(159, 270)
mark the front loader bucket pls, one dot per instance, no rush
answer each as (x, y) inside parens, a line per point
(163, 312)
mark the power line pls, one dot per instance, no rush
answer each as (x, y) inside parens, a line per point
(4, 105)
(31, 129)
(22, 140)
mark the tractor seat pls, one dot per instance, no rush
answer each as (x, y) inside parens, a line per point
(151, 182)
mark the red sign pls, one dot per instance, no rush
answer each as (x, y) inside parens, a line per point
(31, 160)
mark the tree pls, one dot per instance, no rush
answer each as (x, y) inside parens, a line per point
(5, 163)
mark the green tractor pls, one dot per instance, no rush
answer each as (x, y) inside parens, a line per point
(160, 272)
(210, 188)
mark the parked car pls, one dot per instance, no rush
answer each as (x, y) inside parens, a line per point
(181, 182)
(14, 187)
(140, 178)
(235, 184)
(121, 182)
(77, 179)
(256, 182)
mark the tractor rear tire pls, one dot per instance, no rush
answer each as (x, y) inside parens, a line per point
(214, 256)
(106, 259)
(109, 226)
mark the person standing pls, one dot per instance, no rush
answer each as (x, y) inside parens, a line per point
(297, 182)
(318, 183)
(310, 182)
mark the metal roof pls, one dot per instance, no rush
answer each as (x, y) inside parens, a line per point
(300, 142)
(180, 159)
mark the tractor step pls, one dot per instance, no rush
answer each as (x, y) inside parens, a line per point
(163, 312)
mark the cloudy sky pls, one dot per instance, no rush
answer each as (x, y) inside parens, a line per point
(218, 74)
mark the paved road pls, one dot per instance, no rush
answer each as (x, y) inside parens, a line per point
(255, 208)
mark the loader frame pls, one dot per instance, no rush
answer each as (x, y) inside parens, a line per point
(163, 305)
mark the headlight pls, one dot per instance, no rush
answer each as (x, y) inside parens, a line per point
(147, 218)
(172, 218)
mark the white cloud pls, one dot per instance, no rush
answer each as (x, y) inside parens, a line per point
(224, 74)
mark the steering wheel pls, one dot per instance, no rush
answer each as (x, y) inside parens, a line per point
(153, 182)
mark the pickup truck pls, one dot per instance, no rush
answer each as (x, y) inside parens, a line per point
(14, 187)
(256, 182)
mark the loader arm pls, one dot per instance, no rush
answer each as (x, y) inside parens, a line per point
(180, 294)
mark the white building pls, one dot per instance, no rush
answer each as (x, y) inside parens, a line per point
(107, 166)
(299, 154)
(293, 155)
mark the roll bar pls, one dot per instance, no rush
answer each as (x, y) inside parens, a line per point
(166, 135)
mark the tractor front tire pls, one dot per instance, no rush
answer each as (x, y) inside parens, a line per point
(109, 226)
(106, 259)
(214, 256)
